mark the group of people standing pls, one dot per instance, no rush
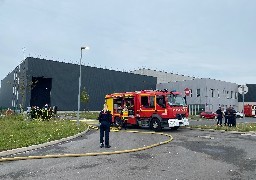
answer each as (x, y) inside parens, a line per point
(44, 113)
(230, 117)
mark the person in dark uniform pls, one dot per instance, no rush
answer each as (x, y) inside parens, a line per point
(45, 113)
(105, 120)
(231, 117)
(226, 117)
(33, 112)
(219, 116)
(233, 113)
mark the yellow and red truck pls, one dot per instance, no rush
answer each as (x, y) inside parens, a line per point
(154, 109)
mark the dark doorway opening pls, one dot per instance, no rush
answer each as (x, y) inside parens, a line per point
(41, 91)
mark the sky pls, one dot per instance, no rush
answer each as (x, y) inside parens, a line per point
(201, 38)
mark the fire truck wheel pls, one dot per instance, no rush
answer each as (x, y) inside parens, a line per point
(118, 122)
(155, 124)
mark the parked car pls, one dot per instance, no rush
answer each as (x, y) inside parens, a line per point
(208, 115)
(239, 115)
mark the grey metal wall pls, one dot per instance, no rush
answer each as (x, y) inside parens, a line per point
(163, 77)
(6, 94)
(14, 87)
(64, 93)
(221, 92)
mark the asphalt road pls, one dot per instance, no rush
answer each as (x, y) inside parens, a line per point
(193, 154)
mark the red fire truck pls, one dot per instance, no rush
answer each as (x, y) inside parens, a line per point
(249, 110)
(147, 108)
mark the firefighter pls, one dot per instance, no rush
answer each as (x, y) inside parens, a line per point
(38, 113)
(50, 112)
(233, 113)
(45, 113)
(105, 120)
(231, 117)
(33, 112)
(226, 117)
(125, 116)
(219, 116)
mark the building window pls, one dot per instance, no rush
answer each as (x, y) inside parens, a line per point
(235, 95)
(218, 94)
(231, 94)
(197, 92)
(212, 92)
(191, 93)
(227, 95)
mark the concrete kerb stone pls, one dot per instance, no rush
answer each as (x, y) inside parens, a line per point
(38, 146)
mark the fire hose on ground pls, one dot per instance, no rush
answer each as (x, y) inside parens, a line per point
(113, 129)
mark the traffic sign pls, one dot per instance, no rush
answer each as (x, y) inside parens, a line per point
(243, 89)
(187, 91)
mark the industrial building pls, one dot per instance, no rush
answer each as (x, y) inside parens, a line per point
(205, 94)
(36, 82)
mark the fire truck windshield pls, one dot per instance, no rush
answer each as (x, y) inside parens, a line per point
(176, 100)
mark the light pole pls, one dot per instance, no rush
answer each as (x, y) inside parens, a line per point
(79, 87)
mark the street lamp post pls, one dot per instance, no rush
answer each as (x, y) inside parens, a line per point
(79, 87)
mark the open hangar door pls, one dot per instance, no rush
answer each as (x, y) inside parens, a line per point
(41, 91)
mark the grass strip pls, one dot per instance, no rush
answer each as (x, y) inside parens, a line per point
(241, 127)
(17, 132)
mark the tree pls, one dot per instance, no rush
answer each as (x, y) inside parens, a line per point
(84, 97)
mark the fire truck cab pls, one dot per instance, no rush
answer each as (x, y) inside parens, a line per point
(152, 109)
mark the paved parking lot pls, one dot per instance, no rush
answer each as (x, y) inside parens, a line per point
(193, 154)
